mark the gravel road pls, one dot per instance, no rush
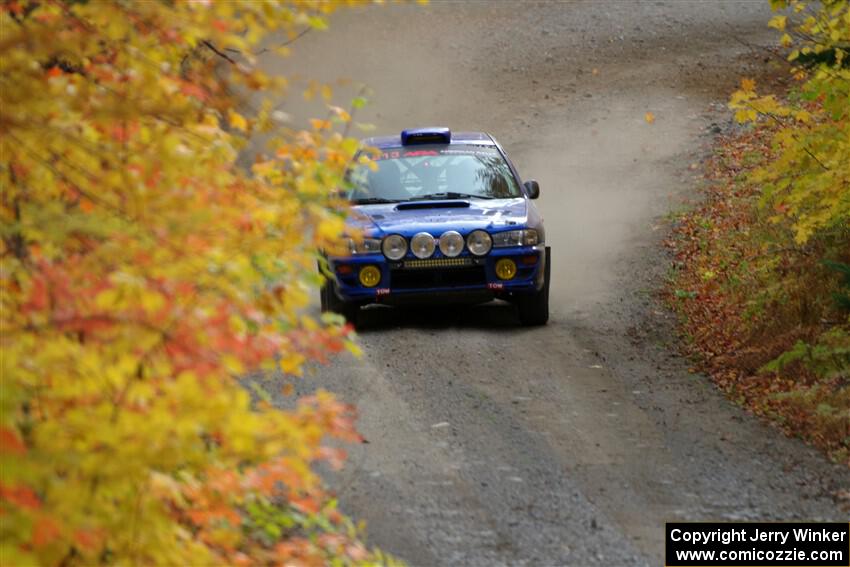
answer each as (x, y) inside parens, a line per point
(571, 444)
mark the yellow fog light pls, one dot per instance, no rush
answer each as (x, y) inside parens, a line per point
(370, 276)
(505, 269)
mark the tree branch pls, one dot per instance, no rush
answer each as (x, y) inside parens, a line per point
(796, 139)
(221, 54)
(290, 41)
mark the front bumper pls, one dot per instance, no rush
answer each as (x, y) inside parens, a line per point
(464, 278)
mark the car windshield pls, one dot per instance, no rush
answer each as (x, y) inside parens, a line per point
(434, 172)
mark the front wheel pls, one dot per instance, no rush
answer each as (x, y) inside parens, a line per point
(332, 303)
(534, 307)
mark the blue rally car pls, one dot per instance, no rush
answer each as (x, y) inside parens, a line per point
(445, 218)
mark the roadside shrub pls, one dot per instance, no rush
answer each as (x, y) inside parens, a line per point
(762, 284)
(143, 273)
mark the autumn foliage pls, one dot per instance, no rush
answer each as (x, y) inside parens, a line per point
(763, 265)
(143, 273)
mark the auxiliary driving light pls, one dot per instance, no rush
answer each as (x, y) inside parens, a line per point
(394, 247)
(370, 276)
(451, 243)
(479, 242)
(505, 269)
(422, 245)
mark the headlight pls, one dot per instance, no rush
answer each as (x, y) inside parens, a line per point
(422, 245)
(394, 247)
(365, 246)
(526, 237)
(479, 242)
(451, 243)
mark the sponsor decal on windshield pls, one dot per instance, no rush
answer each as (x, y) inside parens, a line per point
(398, 154)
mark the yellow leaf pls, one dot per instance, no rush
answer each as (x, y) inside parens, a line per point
(748, 85)
(354, 349)
(649, 117)
(778, 22)
(151, 301)
(291, 363)
(330, 228)
(232, 364)
(803, 116)
(210, 120)
(108, 299)
(237, 121)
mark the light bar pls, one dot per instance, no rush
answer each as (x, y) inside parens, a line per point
(415, 136)
(438, 263)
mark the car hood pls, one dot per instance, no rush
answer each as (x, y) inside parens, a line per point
(436, 217)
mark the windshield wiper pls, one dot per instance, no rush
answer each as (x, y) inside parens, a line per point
(374, 201)
(450, 195)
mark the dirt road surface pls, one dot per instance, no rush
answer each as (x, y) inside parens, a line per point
(570, 444)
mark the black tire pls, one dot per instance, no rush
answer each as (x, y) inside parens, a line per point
(332, 303)
(534, 307)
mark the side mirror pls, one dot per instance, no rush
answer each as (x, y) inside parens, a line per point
(532, 189)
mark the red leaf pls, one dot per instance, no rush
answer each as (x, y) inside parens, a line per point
(21, 496)
(193, 90)
(10, 442)
(14, 7)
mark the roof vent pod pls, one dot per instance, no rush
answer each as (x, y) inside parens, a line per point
(416, 136)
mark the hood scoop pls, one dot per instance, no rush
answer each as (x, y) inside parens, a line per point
(432, 205)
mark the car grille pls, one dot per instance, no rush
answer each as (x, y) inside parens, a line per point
(449, 275)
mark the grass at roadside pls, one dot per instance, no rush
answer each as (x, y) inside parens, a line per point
(766, 317)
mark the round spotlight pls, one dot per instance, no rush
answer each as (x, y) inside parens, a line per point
(451, 243)
(422, 245)
(394, 247)
(505, 269)
(370, 276)
(479, 242)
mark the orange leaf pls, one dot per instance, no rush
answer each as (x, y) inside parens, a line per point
(10, 442)
(87, 539)
(45, 530)
(320, 124)
(306, 504)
